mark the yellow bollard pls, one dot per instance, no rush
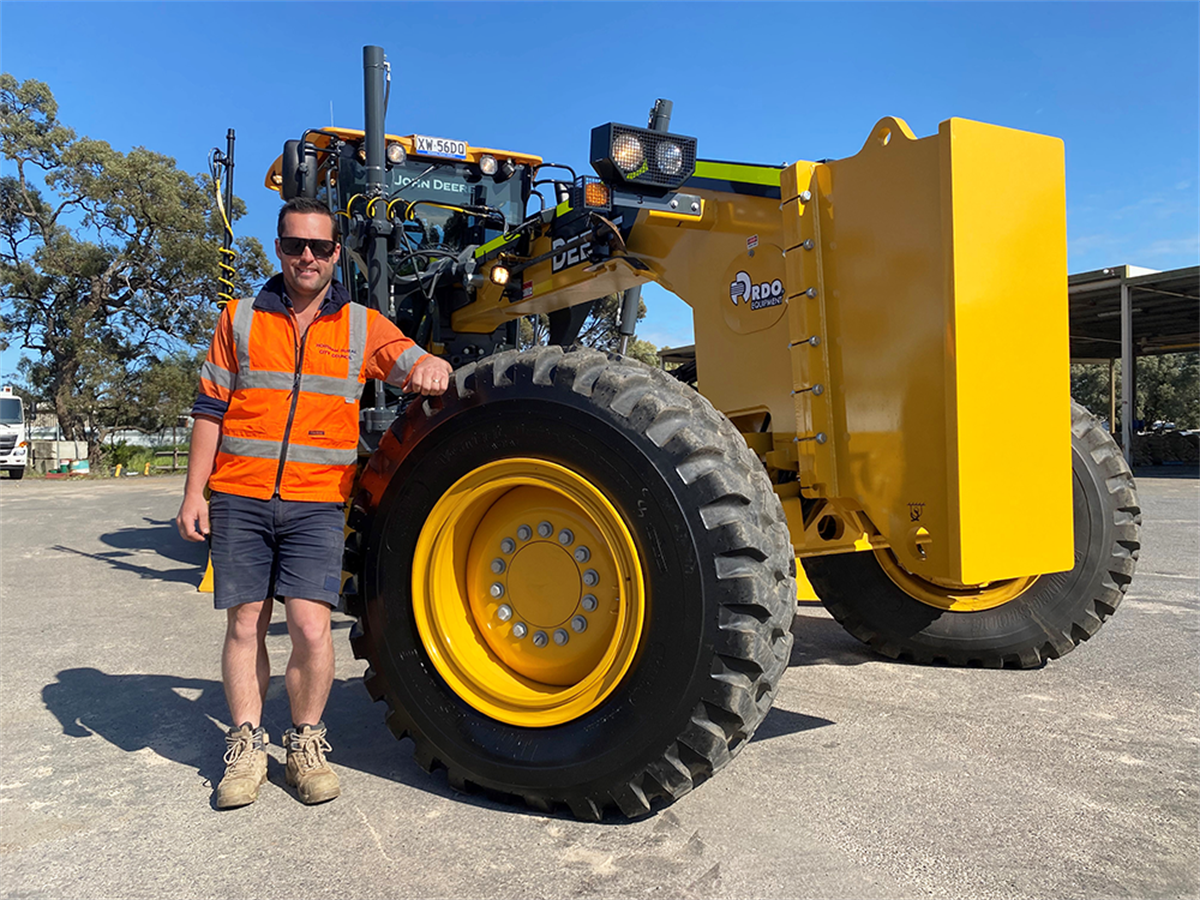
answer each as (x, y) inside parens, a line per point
(117, 471)
(146, 471)
(206, 583)
(804, 590)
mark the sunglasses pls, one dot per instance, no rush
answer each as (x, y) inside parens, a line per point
(294, 246)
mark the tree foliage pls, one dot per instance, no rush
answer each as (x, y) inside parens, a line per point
(1167, 389)
(599, 331)
(108, 261)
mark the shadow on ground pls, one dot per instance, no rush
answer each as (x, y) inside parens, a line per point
(180, 719)
(818, 640)
(159, 536)
(782, 722)
(1186, 470)
(163, 538)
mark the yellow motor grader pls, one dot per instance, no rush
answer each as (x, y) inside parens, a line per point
(575, 574)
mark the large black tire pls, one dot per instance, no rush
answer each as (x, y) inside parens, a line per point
(713, 546)
(1051, 617)
(16, 474)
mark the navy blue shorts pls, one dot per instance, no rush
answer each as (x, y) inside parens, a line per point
(275, 548)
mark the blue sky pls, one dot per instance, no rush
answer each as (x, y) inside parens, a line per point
(759, 82)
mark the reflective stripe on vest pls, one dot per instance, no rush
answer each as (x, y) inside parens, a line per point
(403, 367)
(301, 453)
(321, 403)
(349, 387)
(242, 320)
(220, 377)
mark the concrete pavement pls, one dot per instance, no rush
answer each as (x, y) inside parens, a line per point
(869, 779)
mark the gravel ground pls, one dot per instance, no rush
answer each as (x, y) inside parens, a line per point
(869, 779)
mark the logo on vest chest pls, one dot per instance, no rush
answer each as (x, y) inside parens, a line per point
(324, 349)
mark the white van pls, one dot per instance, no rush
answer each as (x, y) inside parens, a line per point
(13, 445)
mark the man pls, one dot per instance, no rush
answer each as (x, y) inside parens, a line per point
(275, 439)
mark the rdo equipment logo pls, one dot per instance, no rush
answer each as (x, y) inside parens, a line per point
(759, 296)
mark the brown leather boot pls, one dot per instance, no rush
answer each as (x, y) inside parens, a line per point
(307, 769)
(245, 766)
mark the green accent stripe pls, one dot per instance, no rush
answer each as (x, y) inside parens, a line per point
(562, 209)
(496, 244)
(768, 175)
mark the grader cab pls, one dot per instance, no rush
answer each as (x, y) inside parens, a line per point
(574, 574)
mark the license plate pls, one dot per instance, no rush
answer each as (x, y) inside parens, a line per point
(436, 146)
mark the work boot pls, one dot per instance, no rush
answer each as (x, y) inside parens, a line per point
(307, 769)
(245, 766)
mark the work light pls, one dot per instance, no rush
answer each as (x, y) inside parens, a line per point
(627, 152)
(669, 158)
(641, 156)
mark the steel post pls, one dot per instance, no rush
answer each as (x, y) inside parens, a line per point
(378, 277)
(1127, 392)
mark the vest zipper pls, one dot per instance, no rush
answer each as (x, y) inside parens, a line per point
(287, 430)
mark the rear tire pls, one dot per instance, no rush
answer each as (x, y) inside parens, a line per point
(704, 528)
(1049, 618)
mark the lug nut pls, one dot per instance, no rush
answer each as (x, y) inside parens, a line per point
(508, 545)
(519, 630)
(497, 590)
(524, 532)
(540, 639)
(589, 603)
(561, 637)
(591, 578)
(579, 623)
(582, 554)
(545, 529)
(497, 565)
(565, 537)
(504, 613)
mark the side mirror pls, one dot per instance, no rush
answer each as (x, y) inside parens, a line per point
(297, 181)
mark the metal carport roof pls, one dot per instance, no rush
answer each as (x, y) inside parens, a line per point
(1124, 312)
(1164, 310)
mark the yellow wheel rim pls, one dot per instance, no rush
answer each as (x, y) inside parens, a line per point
(527, 592)
(950, 596)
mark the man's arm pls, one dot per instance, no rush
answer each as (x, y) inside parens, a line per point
(400, 362)
(430, 376)
(192, 520)
(218, 377)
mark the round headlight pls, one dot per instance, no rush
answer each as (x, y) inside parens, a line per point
(627, 152)
(487, 164)
(669, 158)
(396, 154)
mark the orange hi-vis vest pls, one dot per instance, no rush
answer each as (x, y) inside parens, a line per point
(288, 403)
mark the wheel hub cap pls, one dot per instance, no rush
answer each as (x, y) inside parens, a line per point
(528, 592)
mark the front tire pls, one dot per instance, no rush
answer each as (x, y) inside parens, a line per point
(1020, 624)
(658, 682)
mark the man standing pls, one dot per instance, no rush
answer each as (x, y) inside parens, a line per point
(276, 440)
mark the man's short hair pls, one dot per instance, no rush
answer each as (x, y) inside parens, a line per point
(306, 206)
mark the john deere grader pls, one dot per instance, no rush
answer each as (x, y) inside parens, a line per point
(574, 574)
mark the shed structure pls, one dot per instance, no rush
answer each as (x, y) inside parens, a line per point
(1124, 312)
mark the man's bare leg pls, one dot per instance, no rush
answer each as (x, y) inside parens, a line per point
(310, 667)
(245, 667)
(246, 672)
(309, 678)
